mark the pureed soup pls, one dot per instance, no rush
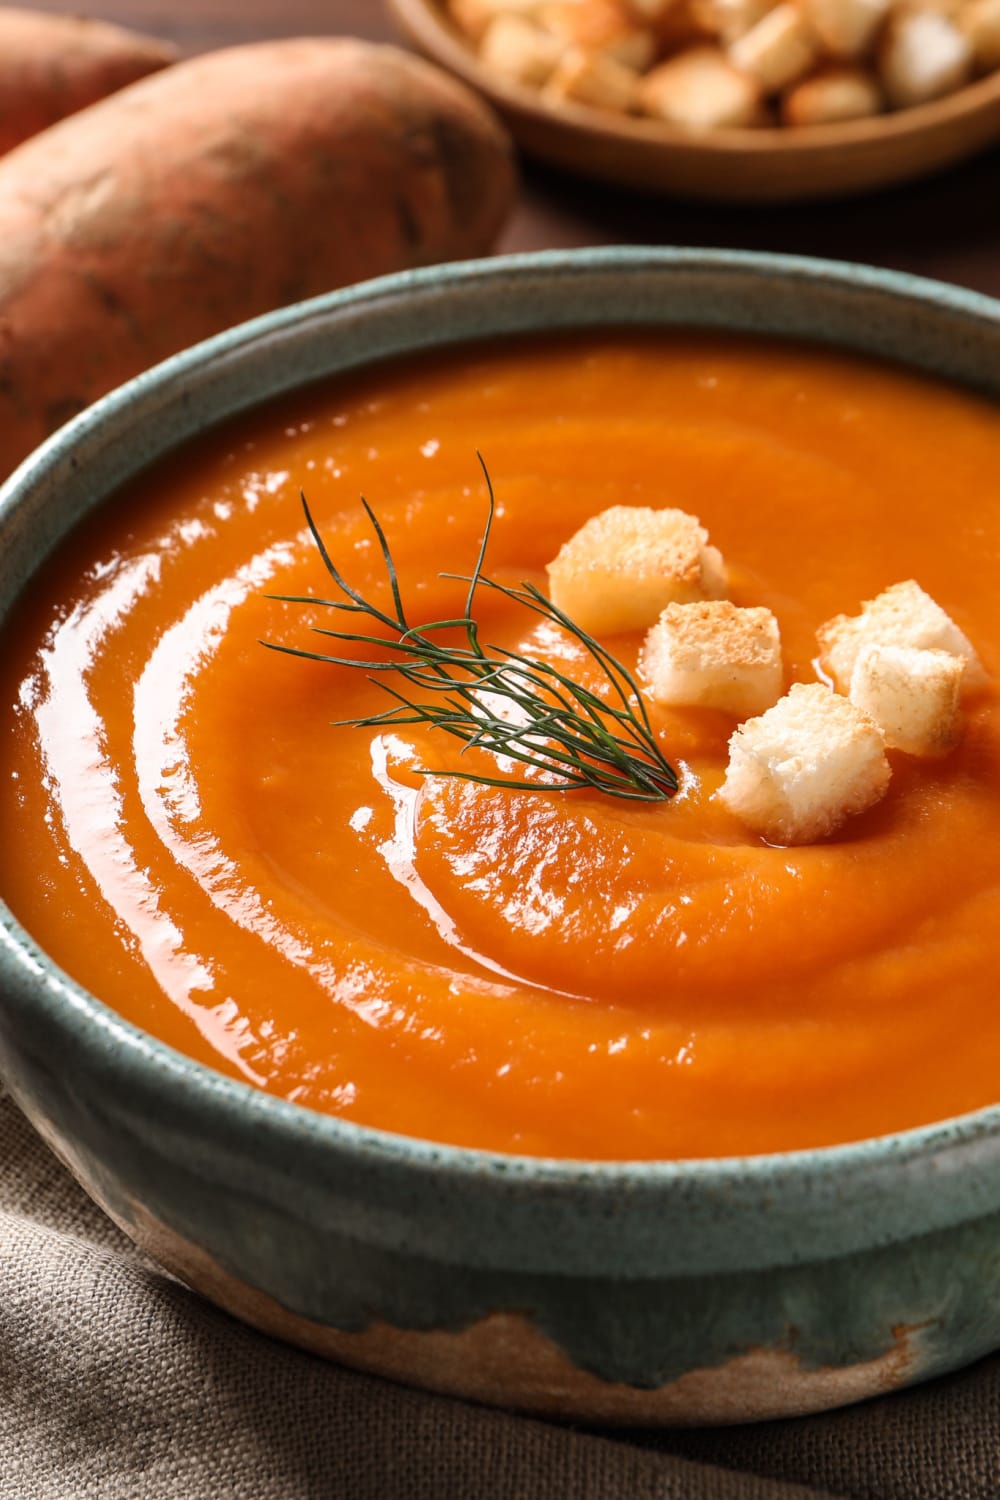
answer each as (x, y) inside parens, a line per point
(186, 831)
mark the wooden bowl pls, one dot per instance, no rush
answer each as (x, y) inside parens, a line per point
(764, 165)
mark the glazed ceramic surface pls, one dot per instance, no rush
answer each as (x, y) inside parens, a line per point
(684, 1291)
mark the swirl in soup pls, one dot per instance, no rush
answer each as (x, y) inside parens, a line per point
(185, 830)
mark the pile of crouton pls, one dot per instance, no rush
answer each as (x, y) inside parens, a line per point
(712, 64)
(804, 760)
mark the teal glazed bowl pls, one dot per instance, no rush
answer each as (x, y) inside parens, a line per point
(671, 1292)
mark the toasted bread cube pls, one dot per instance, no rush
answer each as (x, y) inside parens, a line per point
(923, 56)
(685, 24)
(834, 94)
(980, 21)
(593, 79)
(797, 772)
(846, 28)
(474, 17)
(734, 18)
(603, 27)
(949, 8)
(903, 615)
(625, 565)
(649, 11)
(700, 90)
(519, 50)
(911, 694)
(714, 655)
(781, 48)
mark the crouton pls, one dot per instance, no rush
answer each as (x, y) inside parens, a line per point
(834, 94)
(980, 21)
(734, 18)
(600, 27)
(474, 17)
(519, 50)
(628, 563)
(686, 23)
(594, 79)
(705, 65)
(949, 8)
(649, 10)
(923, 55)
(700, 90)
(714, 655)
(902, 615)
(797, 772)
(846, 28)
(911, 694)
(781, 48)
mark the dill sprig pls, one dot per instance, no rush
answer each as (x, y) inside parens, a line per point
(494, 699)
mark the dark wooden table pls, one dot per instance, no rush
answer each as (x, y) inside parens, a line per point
(947, 226)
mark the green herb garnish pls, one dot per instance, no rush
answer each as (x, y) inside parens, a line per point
(494, 699)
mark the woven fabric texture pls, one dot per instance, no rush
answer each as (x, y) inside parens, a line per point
(118, 1382)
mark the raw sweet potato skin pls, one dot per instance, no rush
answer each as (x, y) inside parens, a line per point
(51, 66)
(228, 185)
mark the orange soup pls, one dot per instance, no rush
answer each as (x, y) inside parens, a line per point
(189, 834)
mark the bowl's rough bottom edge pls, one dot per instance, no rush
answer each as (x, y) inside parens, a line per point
(505, 1360)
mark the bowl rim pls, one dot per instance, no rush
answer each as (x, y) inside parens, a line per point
(122, 1053)
(429, 26)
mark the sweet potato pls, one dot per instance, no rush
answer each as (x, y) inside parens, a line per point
(51, 66)
(221, 188)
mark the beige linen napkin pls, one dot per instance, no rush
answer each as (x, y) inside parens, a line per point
(116, 1381)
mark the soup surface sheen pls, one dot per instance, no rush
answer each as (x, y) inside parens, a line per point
(559, 974)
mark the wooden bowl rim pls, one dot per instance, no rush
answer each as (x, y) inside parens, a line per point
(430, 28)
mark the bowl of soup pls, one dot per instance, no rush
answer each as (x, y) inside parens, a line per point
(590, 1105)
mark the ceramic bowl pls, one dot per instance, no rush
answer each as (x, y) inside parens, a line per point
(700, 1291)
(768, 165)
